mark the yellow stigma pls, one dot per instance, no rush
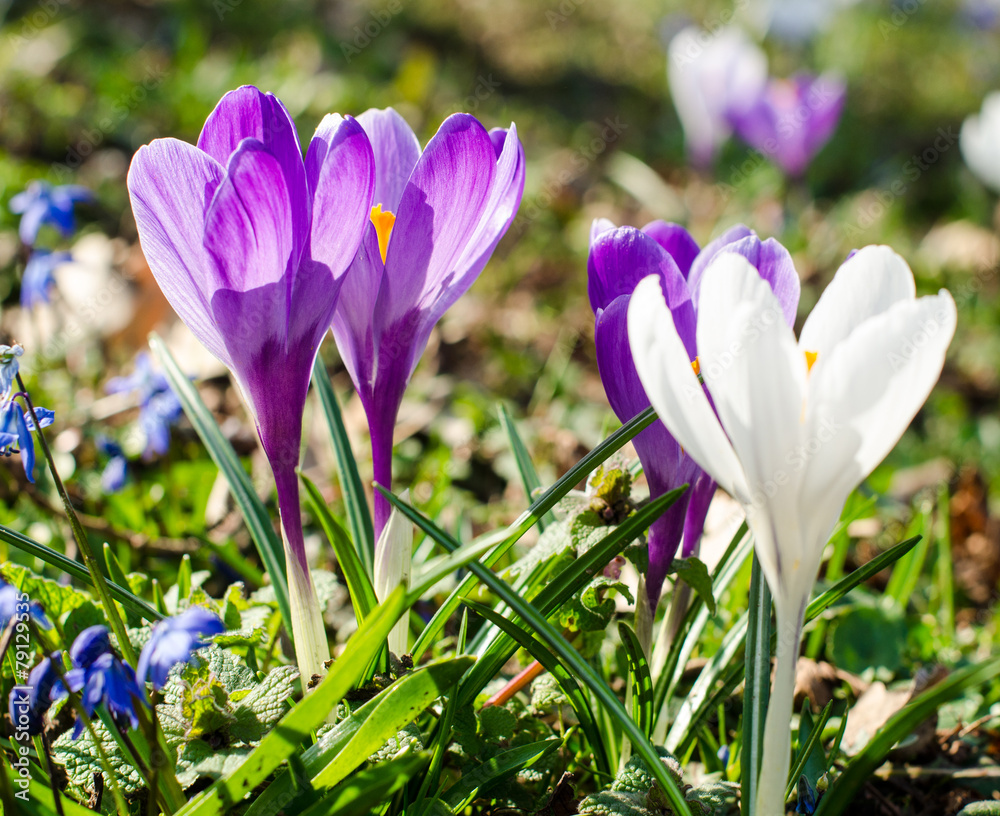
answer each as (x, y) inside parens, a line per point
(696, 365)
(811, 359)
(383, 222)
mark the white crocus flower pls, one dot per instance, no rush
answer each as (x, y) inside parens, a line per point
(800, 423)
(979, 141)
(711, 76)
(393, 557)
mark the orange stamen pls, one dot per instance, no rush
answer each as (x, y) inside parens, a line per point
(696, 365)
(811, 357)
(383, 222)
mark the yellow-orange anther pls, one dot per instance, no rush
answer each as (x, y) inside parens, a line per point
(696, 365)
(383, 222)
(811, 359)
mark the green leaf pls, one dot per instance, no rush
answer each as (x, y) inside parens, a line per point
(810, 760)
(694, 573)
(868, 636)
(268, 543)
(387, 713)
(478, 780)
(362, 792)
(122, 594)
(641, 682)
(859, 770)
(555, 641)
(305, 717)
(40, 800)
(117, 574)
(358, 583)
(758, 684)
(581, 705)
(358, 516)
(529, 477)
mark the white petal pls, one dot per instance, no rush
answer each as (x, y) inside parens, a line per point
(757, 378)
(866, 284)
(393, 557)
(673, 388)
(864, 396)
(979, 140)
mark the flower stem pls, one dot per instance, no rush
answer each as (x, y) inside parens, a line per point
(770, 798)
(93, 567)
(758, 679)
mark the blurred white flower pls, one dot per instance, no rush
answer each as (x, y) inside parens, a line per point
(712, 76)
(980, 142)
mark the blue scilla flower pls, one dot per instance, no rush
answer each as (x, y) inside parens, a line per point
(115, 471)
(159, 407)
(101, 678)
(14, 604)
(39, 279)
(175, 640)
(9, 366)
(16, 426)
(41, 203)
(30, 702)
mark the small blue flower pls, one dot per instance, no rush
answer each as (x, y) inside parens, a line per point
(30, 702)
(101, 678)
(115, 471)
(14, 603)
(806, 796)
(41, 203)
(159, 407)
(39, 279)
(723, 755)
(16, 426)
(175, 640)
(8, 366)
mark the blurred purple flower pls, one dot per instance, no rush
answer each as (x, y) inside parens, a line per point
(16, 426)
(159, 407)
(439, 215)
(30, 702)
(41, 203)
(251, 245)
(14, 603)
(116, 469)
(792, 119)
(620, 258)
(175, 640)
(39, 279)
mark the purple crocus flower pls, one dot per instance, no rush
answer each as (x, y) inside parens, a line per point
(41, 203)
(438, 216)
(38, 279)
(619, 259)
(792, 119)
(175, 640)
(30, 702)
(251, 245)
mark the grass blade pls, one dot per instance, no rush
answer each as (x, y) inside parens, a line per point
(359, 518)
(525, 467)
(258, 521)
(639, 677)
(365, 791)
(758, 684)
(483, 777)
(123, 595)
(806, 751)
(358, 584)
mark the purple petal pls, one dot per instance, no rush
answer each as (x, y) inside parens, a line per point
(248, 113)
(248, 227)
(712, 249)
(170, 184)
(702, 490)
(775, 265)
(438, 214)
(677, 241)
(396, 150)
(664, 538)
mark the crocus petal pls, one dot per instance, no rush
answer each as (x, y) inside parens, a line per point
(977, 140)
(713, 248)
(396, 149)
(665, 371)
(867, 284)
(677, 241)
(865, 393)
(438, 213)
(701, 494)
(248, 113)
(774, 264)
(169, 209)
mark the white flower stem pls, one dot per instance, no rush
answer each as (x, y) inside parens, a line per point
(312, 649)
(777, 735)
